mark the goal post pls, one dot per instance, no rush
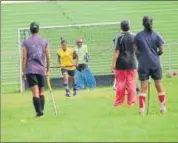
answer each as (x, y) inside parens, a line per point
(98, 37)
(21, 88)
(22, 35)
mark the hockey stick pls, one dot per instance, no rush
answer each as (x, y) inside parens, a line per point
(52, 95)
(68, 66)
(148, 101)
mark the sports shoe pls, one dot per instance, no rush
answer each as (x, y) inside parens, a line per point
(39, 115)
(130, 105)
(117, 104)
(138, 91)
(163, 110)
(74, 92)
(142, 113)
(67, 93)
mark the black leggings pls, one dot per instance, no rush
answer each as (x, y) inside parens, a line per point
(81, 67)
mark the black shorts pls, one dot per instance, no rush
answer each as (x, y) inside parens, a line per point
(69, 72)
(35, 79)
(81, 67)
(155, 73)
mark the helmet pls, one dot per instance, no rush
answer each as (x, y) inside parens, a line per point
(79, 40)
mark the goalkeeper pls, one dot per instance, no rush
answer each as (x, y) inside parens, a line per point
(66, 63)
(82, 52)
(83, 70)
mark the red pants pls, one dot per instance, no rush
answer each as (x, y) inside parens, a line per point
(125, 79)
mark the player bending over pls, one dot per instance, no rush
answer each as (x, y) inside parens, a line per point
(66, 63)
(124, 66)
(149, 45)
(35, 50)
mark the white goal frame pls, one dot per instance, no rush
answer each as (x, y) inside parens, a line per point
(51, 27)
(22, 87)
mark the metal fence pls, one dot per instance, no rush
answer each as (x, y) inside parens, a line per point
(169, 59)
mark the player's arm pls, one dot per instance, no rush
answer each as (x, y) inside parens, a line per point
(48, 57)
(115, 55)
(136, 47)
(137, 52)
(24, 61)
(160, 52)
(86, 54)
(58, 60)
(74, 53)
(115, 40)
(159, 44)
(76, 57)
(114, 59)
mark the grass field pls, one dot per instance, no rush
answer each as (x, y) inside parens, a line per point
(89, 117)
(15, 16)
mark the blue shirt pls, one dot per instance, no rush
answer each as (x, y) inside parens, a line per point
(148, 45)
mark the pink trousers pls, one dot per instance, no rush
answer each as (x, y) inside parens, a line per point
(125, 79)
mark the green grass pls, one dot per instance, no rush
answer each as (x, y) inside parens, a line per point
(98, 39)
(89, 117)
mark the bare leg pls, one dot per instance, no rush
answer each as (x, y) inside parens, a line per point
(35, 90)
(142, 96)
(74, 85)
(138, 89)
(159, 86)
(161, 95)
(66, 83)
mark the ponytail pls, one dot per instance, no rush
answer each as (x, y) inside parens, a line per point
(63, 41)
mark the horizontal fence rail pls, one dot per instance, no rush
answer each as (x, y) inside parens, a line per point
(98, 37)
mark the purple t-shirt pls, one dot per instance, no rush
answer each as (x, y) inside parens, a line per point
(148, 45)
(36, 47)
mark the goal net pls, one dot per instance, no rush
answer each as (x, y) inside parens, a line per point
(97, 36)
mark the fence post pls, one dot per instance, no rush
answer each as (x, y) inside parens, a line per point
(20, 62)
(169, 57)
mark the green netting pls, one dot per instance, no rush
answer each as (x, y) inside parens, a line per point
(98, 38)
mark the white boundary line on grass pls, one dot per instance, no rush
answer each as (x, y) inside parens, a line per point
(13, 2)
